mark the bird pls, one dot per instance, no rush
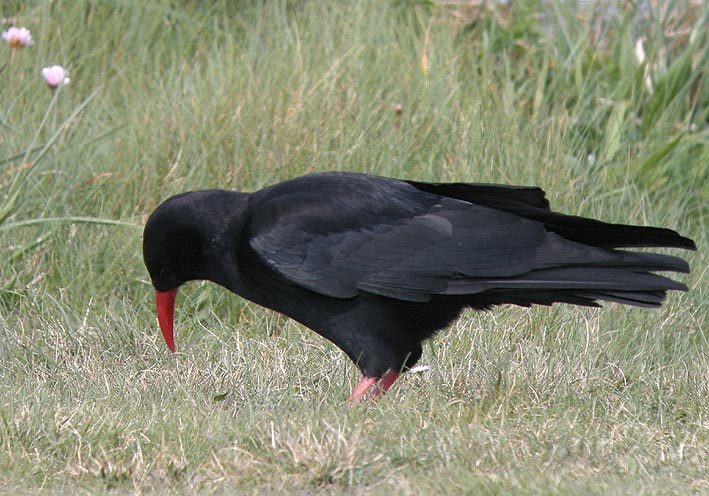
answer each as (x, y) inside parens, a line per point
(378, 265)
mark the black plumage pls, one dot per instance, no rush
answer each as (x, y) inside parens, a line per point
(377, 265)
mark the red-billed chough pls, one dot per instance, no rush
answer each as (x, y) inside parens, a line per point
(377, 265)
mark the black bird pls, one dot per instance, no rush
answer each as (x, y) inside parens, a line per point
(377, 265)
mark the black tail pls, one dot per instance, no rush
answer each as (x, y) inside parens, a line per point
(584, 278)
(602, 234)
(647, 299)
(530, 202)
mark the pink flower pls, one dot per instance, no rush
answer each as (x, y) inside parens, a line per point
(18, 37)
(55, 76)
(398, 110)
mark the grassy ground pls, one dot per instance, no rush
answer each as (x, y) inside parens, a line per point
(171, 96)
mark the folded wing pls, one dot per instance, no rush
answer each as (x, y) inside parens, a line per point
(339, 235)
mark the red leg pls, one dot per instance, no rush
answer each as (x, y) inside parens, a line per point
(388, 380)
(361, 389)
(367, 383)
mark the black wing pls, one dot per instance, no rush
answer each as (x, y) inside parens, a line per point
(338, 234)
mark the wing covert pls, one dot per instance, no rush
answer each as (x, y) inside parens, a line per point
(386, 237)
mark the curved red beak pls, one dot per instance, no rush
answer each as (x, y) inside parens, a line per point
(165, 302)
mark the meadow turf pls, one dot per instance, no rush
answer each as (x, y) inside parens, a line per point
(169, 96)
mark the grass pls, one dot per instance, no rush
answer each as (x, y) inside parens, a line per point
(171, 96)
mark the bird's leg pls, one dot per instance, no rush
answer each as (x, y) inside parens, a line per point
(361, 389)
(367, 383)
(388, 380)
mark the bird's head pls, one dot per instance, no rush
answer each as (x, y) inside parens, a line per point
(181, 243)
(174, 252)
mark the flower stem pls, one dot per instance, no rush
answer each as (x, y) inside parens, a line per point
(53, 125)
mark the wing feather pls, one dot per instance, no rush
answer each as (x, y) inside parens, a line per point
(339, 234)
(385, 237)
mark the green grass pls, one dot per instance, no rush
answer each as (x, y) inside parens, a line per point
(171, 96)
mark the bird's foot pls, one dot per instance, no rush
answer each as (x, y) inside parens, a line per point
(372, 385)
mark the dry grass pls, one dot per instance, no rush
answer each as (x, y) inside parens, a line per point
(169, 97)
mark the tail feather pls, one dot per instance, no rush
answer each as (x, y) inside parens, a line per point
(649, 299)
(590, 278)
(530, 202)
(652, 262)
(602, 234)
(577, 285)
(582, 273)
(646, 299)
